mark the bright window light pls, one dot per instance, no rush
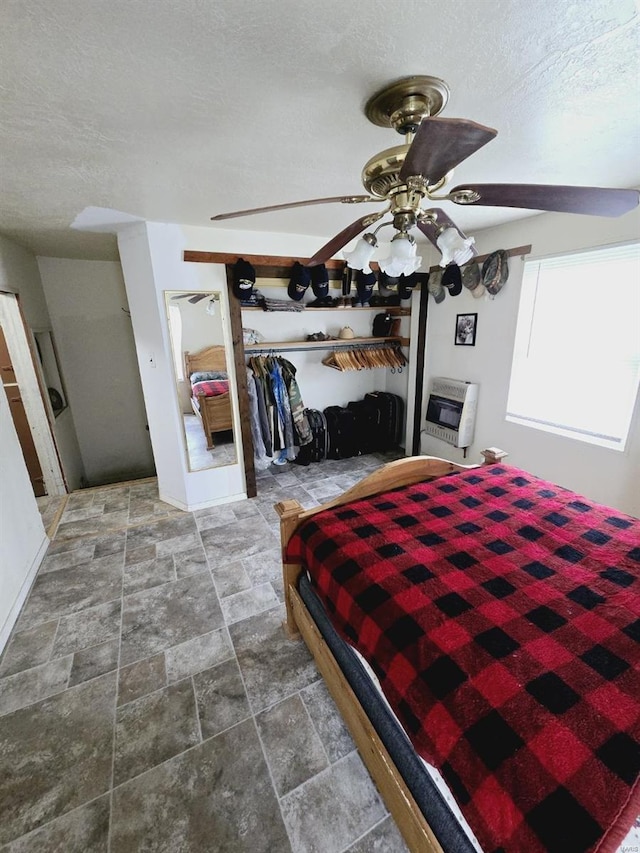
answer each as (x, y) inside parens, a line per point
(576, 361)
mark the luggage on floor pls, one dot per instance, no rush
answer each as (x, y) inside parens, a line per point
(342, 443)
(367, 425)
(391, 418)
(316, 450)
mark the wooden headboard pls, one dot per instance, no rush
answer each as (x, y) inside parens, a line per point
(209, 358)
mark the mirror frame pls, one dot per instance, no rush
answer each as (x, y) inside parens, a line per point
(191, 361)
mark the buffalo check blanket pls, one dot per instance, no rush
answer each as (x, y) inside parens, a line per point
(501, 615)
(210, 388)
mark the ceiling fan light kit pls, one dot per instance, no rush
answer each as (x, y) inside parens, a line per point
(402, 259)
(410, 174)
(455, 248)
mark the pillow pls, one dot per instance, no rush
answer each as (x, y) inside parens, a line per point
(207, 375)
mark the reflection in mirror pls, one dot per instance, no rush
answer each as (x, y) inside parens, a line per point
(200, 360)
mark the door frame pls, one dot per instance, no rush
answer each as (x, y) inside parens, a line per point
(36, 405)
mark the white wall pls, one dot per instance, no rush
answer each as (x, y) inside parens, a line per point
(152, 263)
(19, 274)
(22, 537)
(607, 476)
(97, 354)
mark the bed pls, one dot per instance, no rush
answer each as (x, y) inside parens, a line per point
(210, 397)
(500, 615)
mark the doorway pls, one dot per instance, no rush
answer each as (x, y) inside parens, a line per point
(23, 388)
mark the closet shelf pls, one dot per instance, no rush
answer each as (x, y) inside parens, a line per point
(304, 345)
(394, 310)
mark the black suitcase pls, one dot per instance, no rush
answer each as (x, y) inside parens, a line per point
(391, 409)
(316, 450)
(341, 433)
(367, 425)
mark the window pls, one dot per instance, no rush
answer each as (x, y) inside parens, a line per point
(576, 360)
(175, 328)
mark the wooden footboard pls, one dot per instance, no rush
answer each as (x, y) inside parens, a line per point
(214, 412)
(216, 415)
(415, 830)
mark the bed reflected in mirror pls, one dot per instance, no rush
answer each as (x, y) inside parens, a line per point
(200, 361)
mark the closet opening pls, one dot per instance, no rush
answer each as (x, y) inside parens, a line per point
(339, 367)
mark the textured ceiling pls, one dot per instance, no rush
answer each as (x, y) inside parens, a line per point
(174, 110)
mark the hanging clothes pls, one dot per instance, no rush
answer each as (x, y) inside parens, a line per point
(283, 424)
(266, 402)
(284, 410)
(260, 458)
(300, 421)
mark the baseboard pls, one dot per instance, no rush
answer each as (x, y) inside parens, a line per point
(25, 589)
(204, 504)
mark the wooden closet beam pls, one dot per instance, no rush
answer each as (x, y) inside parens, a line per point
(241, 378)
(266, 266)
(511, 253)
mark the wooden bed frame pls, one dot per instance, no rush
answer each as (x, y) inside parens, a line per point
(214, 412)
(417, 833)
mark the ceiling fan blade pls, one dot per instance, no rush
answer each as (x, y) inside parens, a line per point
(431, 229)
(595, 201)
(342, 199)
(192, 297)
(442, 143)
(341, 239)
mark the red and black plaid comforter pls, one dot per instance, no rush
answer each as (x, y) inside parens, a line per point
(210, 387)
(502, 617)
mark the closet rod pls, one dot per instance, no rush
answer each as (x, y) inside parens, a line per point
(251, 349)
(335, 343)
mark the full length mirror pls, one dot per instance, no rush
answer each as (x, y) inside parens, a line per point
(201, 362)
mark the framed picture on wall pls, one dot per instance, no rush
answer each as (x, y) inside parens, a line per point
(466, 325)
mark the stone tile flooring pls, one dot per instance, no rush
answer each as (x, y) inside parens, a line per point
(50, 506)
(149, 699)
(223, 453)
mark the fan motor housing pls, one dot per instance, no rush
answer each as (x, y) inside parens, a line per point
(381, 173)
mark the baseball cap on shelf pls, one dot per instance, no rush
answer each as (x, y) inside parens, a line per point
(320, 281)
(406, 284)
(471, 275)
(244, 279)
(364, 286)
(452, 279)
(495, 271)
(434, 286)
(387, 286)
(299, 282)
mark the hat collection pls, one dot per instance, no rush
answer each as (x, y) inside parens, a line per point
(490, 279)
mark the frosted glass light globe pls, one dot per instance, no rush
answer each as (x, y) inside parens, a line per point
(455, 248)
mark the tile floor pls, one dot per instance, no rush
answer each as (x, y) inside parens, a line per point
(149, 699)
(223, 453)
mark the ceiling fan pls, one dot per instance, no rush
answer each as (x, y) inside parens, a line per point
(193, 298)
(406, 175)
